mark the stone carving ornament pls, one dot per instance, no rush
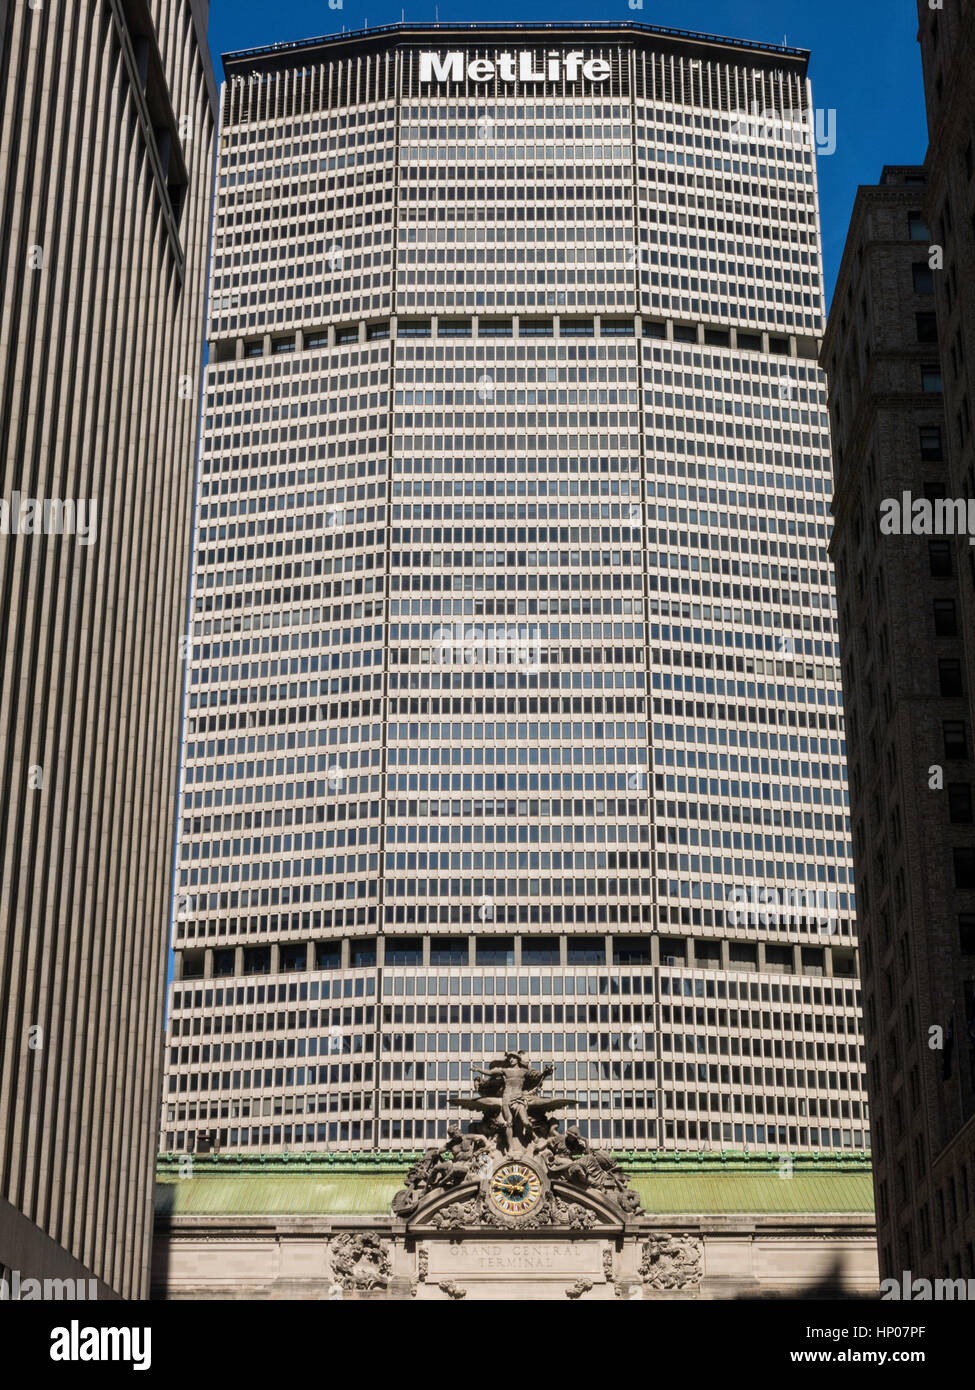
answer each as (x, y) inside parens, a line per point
(568, 1156)
(514, 1149)
(580, 1287)
(360, 1261)
(551, 1211)
(459, 1214)
(505, 1098)
(671, 1262)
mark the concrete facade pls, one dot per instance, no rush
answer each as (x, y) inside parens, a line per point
(527, 366)
(105, 177)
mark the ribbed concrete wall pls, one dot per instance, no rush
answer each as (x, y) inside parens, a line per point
(105, 171)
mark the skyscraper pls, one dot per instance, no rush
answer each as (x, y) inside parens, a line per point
(904, 713)
(947, 39)
(896, 350)
(513, 716)
(106, 152)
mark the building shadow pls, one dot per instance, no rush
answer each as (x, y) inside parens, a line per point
(830, 1287)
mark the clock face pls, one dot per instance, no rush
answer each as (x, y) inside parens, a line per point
(515, 1189)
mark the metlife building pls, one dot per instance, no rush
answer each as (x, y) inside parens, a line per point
(513, 715)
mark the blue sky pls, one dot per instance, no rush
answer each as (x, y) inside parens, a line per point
(865, 62)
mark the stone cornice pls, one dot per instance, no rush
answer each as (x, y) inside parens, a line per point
(867, 195)
(651, 1161)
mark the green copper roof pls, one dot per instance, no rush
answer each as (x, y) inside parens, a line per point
(760, 1183)
(363, 1184)
(755, 1192)
(277, 1194)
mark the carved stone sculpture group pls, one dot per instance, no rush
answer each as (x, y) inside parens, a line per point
(514, 1168)
(514, 1121)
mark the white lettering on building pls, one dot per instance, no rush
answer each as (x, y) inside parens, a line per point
(525, 66)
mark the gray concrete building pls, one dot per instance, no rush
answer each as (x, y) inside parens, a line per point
(896, 349)
(106, 144)
(514, 713)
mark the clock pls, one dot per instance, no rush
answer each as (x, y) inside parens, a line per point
(514, 1189)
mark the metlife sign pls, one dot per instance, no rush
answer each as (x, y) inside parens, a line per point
(525, 66)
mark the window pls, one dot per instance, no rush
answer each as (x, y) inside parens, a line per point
(931, 378)
(630, 951)
(964, 861)
(673, 951)
(710, 952)
(927, 328)
(917, 227)
(945, 621)
(542, 950)
(257, 960)
(966, 933)
(931, 449)
(949, 677)
(923, 278)
(959, 803)
(955, 738)
(750, 341)
(449, 950)
(585, 950)
(283, 345)
(497, 950)
(404, 950)
(939, 559)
